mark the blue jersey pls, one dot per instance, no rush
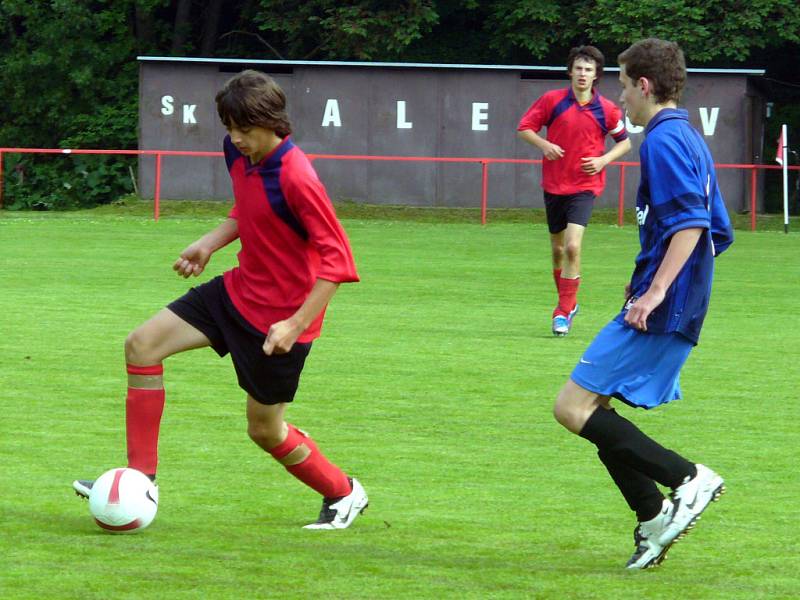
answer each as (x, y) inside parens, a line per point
(678, 190)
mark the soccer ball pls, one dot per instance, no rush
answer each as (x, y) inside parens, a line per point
(123, 500)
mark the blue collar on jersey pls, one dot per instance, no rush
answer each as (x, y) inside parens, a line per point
(273, 159)
(664, 115)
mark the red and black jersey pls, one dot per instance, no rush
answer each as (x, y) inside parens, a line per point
(581, 131)
(289, 233)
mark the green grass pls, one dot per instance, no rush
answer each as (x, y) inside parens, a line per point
(134, 206)
(433, 383)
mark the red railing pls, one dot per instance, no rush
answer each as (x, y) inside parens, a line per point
(484, 162)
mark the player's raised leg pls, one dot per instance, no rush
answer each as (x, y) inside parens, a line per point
(343, 498)
(634, 461)
(146, 347)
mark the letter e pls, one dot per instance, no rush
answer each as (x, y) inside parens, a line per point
(480, 112)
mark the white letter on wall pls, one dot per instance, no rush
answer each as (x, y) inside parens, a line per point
(709, 124)
(331, 115)
(188, 113)
(166, 105)
(631, 127)
(401, 116)
(480, 112)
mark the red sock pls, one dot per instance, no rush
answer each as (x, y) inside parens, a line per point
(567, 295)
(316, 471)
(556, 278)
(143, 409)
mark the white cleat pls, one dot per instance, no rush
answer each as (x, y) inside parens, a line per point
(649, 552)
(339, 513)
(83, 487)
(691, 498)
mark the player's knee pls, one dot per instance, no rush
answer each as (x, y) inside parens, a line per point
(565, 412)
(265, 434)
(573, 251)
(139, 349)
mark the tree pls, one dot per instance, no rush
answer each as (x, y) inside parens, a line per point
(333, 30)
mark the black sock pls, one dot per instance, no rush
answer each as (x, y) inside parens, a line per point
(639, 491)
(614, 434)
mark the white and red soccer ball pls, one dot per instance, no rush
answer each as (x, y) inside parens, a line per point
(123, 500)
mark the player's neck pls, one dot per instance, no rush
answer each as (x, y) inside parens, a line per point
(272, 142)
(582, 95)
(653, 109)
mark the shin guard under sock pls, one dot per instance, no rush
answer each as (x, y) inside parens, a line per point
(557, 279)
(614, 434)
(316, 471)
(567, 294)
(143, 410)
(640, 492)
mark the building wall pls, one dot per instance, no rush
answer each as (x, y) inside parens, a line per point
(411, 111)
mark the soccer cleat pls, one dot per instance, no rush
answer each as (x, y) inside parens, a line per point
(339, 513)
(690, 499)
(649, 552)
(563, 323)
(83, 487)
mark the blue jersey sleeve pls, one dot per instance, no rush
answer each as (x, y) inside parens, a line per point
(230, 151)
(677, 185)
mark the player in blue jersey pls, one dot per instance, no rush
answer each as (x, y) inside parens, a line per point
(638, 356)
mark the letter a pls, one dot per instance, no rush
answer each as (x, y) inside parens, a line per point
(331, 115)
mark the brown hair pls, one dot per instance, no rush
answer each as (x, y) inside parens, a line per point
(661, 62)
(252, 98)
(589, 53)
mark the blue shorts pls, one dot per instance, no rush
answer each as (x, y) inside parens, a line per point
(641, 369)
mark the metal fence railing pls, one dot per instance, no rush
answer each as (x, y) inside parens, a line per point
(483, 162)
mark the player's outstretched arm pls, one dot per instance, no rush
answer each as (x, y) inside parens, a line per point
(283, 334)
(195, 257)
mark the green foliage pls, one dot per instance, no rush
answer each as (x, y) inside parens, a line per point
(332, 30)
(705, 29)
(57, 182)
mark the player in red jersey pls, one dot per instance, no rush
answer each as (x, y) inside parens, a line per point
(266, 311)
(578, 119)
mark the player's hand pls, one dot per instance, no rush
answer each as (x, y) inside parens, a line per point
(281, 337)
(637, 314)
(593, 164)
(553, 151)
(192, 260)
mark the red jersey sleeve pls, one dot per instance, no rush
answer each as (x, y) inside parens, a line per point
(615, 123)
(309, 201)
(537, 115)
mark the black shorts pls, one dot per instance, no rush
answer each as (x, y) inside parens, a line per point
(268, 379)
(572, 208)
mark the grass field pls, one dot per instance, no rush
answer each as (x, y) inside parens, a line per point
(433, 383)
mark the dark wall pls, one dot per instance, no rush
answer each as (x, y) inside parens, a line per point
(448, 112)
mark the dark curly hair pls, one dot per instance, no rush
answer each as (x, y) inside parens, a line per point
(589, 53)
(660, 61)
(253, 98)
